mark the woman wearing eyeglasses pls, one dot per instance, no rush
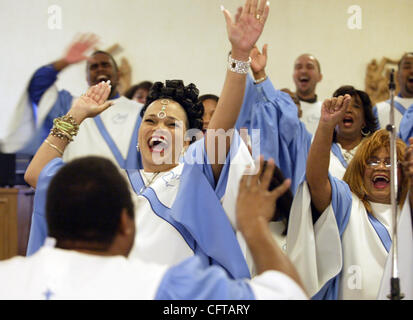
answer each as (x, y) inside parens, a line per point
(340, 231)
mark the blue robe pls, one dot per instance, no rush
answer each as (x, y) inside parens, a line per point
(282, 135)
(406, 125)
(190, 280)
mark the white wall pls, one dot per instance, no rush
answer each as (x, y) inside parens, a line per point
(186, 39)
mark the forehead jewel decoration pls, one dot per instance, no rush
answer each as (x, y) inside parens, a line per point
(162, 113)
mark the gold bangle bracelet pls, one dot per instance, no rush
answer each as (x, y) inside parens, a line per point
(258, 81)
(54, 147)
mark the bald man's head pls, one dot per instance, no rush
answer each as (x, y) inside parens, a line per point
(307, 73)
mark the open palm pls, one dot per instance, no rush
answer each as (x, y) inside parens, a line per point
(244, 31)
(93, 102)
(258, 59)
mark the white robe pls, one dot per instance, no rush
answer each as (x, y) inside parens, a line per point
(158, 240)
(119, 120)
(69, 275)
(405, 258)
(57, 274)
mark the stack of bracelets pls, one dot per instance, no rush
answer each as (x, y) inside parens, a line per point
(63, 128)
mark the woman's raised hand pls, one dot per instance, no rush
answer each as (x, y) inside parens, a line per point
(92, 103)
(244, 31)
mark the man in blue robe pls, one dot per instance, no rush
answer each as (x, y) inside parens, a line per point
(404, 100)
(48, 103)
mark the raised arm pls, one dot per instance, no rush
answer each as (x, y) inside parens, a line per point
(318, 161)
(243, 33)
(253, 221)
(88, 105)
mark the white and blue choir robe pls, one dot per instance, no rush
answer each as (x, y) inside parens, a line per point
(180, 214)
(382, 111)
(113, 134)
(58, 274)
(281, 136)
(406, 125)
(343, 254)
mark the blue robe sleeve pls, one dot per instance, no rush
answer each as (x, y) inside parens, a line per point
(247, 108)
(38, 229)
(191, 280)
(406, 126)
(341, 202)
(200, 211)
(60, 108)
(42, 79)
(197, 155)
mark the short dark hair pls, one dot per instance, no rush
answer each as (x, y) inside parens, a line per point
(284, 203)
(146, 85)
(85, 200)
(369, 117)
(186, 96)
(208, 96)
(109, 55)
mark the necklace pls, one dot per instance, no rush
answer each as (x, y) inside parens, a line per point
(148, 182)
(348, 154)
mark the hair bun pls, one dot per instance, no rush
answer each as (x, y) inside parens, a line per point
(187, 97)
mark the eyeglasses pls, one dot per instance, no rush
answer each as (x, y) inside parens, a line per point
(375, 163)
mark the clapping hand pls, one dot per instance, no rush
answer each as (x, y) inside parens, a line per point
(258, 59)
(253, 189)
(244, 31)
(92, 103)
(78, 48)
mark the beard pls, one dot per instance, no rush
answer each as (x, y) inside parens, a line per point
(408, 89)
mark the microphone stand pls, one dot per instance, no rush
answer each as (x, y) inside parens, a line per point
(395, 293)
